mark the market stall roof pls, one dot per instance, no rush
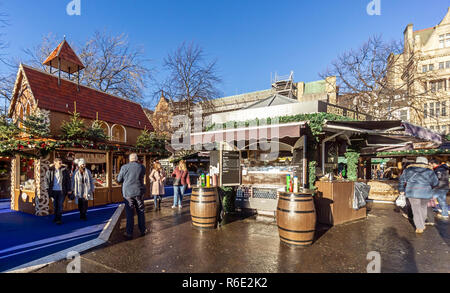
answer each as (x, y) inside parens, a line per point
(394, 129)
(268, 132)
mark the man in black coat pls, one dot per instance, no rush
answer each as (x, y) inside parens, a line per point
(440, 191)
(58, 186)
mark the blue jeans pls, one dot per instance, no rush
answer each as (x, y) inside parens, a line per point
(157, 200)
(441, 196)
(58, 204)
(131, 204)
(178, 192)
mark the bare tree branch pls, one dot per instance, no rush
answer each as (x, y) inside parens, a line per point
(376, 79)
(191, 79)
(112, 64)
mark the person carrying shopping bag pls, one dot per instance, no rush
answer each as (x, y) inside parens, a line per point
(157, 178)
(180, 183)
(83, 188)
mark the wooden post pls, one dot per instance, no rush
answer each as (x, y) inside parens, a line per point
(109, 168)
(368, 169)
(59, 71)
(147, 175)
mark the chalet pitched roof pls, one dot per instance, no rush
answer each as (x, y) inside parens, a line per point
(69, 60)
(89, 101)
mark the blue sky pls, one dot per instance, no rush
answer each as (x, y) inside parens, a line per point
(250, 38)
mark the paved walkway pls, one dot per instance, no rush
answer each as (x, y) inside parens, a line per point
(25, 238)
(250, 244)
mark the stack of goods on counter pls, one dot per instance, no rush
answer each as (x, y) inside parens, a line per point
(386, 190)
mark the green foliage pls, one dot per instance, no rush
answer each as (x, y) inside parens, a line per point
(95, 132)
(7, 128)
(428, 152)
(36, 125)
(151, 142)
(312, 174)
(352, 165)
(74, 129)
(229, 196)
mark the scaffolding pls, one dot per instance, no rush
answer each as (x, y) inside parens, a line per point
(284, 85)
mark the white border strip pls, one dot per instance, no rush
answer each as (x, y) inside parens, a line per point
(101, 239)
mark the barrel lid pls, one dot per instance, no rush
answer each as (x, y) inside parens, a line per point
(204, 188)
(302, 191)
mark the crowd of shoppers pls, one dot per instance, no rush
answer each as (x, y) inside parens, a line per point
(76, 183)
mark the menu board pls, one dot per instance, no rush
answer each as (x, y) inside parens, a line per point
(231, 168)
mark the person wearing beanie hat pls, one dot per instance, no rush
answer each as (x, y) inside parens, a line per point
(83, 188)
(417, 182)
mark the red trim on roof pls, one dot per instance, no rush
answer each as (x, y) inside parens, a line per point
(89, 101)
(424, 29)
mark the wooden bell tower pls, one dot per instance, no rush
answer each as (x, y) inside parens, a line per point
(63, 58)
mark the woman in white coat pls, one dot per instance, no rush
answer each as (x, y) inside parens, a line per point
(83, 188)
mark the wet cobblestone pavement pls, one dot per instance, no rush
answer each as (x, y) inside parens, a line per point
(250, 244)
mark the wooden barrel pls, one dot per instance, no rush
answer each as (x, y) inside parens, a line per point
(204, 207)
(296, 218)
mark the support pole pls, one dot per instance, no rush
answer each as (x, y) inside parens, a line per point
(59, 71)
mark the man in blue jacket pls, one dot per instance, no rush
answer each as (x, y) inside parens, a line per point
(417, 182)
(133, 190)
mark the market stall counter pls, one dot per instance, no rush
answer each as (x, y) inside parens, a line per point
(334, 203)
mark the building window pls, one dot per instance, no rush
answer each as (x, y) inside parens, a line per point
(447, 64)
(438, 110)
(441, 65)
(27, 174)
(444, 109)
(444, 129)
(425, 111)
(447, 40)
(431, 67)
(118, 133)
(437, 85)
(441, 41)
(431, 109)
(105, 128)
(424, 68)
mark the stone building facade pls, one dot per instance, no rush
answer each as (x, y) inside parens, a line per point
(425, 63)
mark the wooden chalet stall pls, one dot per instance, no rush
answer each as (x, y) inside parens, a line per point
(257, 160)
(122, 121)
(375, 139)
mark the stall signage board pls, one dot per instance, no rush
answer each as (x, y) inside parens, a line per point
(230, 168)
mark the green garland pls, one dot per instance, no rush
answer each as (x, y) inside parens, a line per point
(352, 164)
(414, 152)
(229, 196)
(315, 122)
(312, 174)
